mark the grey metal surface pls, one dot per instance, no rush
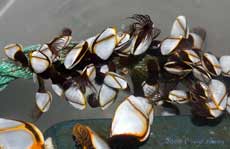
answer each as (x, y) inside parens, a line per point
(37, 21)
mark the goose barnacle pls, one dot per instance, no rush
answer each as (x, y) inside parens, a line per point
(87, 138)
(14, 52)
(131, 121)
(75, 55)
(211, 64)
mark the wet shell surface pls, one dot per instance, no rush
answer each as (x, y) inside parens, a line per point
(20, 135)
(228, 105)
(177, 68)
(11, 50)
(225, 65)
(150, 90)
(43, 100)
(44, 49)
(201, 74)
(210, 100)
(75, 97)
(105, 43)
(169, 44)
(178, 96)
(106, 96)
(211, 64)
(197, 41)
(90, 71)
(60, 42)
(57, 89)
(180, 27)
(115, 81)
(39, 62)
(75, 55)
(133, 117)
(138, 49)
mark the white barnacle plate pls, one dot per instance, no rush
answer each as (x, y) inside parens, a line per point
(105, 43)
(106, 96)
(75, 97)
(115, 80)
(46, 51)
(133, 117)
(225, 65)
(189, 56)
(43, 100)
(211, 64)
(180, 27)
(76, 55)
(20, 135)
(60, 42)
(39, 61)
(178, 96)
(90, 71)
(11, 50)
(201, 74)
(197, 41)
(140, 48)
(176, 68)
(228, 105)
(57, 89)
(217, 95)
(150, 90)
(169, 45)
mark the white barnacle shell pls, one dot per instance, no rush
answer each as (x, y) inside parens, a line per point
(150, 90)
(124, 45)
(178, 96)
(176, 68)
(217, 95)
(170, 44)
(90, 71)
(49, 144)
(60, 42)
(105, 43)
(43, 100)
(76, 55)
(189, 56)
(44, 49)
(11, 50)
(140, 48)
(180, 27)
(211, 64)
(197, 41)
(39, 61)
(104, 69)
(228, 105)
(133, 117)
(87, 138)
(19, 135)
(106, 96)
(201, 74)
(225, 65)
(75, 97)
(115, 80)
(90, 42)
(122, 38)
(57, 89)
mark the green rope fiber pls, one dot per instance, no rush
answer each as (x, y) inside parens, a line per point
(10, 71)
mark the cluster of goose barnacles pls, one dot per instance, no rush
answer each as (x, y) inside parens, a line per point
(92, 71)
